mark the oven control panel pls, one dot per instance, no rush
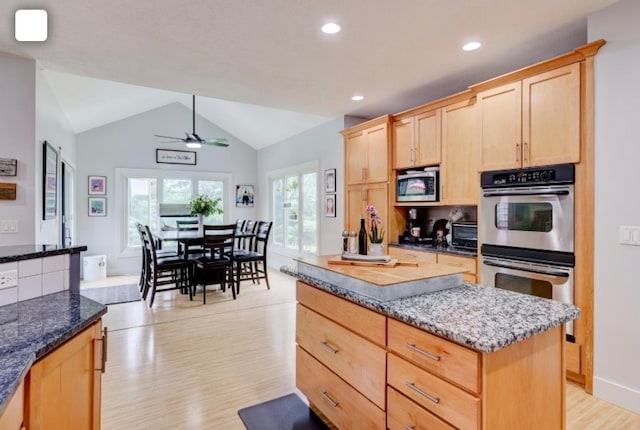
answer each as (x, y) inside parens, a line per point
(559, 174)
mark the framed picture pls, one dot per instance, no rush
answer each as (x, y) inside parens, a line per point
(244, 196)
(98, 185)
(97, 206)
(330, 205)
(49, 181)
(8, 167)
(168, 156)
(330, 181)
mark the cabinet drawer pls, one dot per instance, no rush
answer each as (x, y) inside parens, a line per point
(410, 255)
(442, 357)
(12, 417)
(353, 358)
(403, 414)
(572, 351)
(337, 400)
(452, 404)
(365, 322)
(468, 263)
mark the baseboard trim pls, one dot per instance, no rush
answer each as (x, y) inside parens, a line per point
(617, 394)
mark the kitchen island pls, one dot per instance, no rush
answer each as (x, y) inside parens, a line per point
(467, 356)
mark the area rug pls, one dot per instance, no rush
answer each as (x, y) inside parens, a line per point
(284, 413)
(113, 295)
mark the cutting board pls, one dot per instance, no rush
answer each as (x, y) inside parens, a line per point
(391, 263)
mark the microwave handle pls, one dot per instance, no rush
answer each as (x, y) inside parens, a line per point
(525, 193)
(527, 269)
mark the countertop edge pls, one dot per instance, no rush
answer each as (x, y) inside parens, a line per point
(42, 253)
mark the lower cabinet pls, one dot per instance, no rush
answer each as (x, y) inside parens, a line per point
(13, 415)
(467, 263)
(63, 387)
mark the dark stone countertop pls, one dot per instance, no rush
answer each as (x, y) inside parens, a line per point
(9, 254)
(32, 328)
(440, 250)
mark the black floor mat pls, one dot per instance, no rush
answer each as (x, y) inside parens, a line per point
(284, 413)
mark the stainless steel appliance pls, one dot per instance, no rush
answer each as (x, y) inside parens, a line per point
(418, 186)
(529, 208)
(464, 235)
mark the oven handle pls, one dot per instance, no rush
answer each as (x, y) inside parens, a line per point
(526, 193)
(540, 271)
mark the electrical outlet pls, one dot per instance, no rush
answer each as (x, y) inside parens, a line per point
(629, 235)
(9, 226)
(8, 279)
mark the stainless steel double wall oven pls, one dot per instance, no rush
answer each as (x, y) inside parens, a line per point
(527, 231)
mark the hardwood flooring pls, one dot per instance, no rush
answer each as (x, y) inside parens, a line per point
(185, 365)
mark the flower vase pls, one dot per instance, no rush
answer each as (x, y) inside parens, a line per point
(200, 223)
(376, 249)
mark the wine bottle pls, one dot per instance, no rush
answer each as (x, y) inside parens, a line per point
(362, 239)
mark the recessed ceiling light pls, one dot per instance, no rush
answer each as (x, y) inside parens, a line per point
(330, 28)
(357, 98)
(471, 46)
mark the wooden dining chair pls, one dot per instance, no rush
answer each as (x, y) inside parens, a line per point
(144, 270)
(190, 249)
(251, 264)
(216, 266)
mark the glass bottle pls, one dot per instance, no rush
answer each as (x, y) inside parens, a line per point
(362, 239)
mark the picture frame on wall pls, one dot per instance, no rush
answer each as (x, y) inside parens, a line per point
(330, 205)
(244, 196)
(330, 181)
(97, 206)
(49, 181)
(97, 185)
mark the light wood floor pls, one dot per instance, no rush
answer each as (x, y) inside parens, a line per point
(184, 365)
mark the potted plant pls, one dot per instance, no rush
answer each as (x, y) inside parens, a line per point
(376, 232)
(203, 206)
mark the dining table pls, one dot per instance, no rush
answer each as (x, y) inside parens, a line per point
(189, 237)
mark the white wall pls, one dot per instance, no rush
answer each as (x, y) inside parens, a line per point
(53, 126)
(17, 122)
(617, 202)
(129, 143)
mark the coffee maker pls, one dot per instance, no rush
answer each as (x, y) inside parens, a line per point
(413, 231)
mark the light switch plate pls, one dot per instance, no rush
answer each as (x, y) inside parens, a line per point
(9, 226)
(629, 235)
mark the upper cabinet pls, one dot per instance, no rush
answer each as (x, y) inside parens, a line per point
(416, 140)
(532, 122)
(367, 152)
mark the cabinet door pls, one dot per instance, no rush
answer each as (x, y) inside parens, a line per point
(377, 168)
(460, 182)
(500, 127)
(64, 386)
(378, 196)
(551, 117)
(403, 155)
(355, 200)
(427, 140)
(356, 156)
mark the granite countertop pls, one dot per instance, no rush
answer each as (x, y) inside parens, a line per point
(483, 318)
(9, 254)
(441, 250)
(32, 328)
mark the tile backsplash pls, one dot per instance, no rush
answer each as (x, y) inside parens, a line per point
(35, 278)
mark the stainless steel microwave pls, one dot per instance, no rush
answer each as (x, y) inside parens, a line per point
(419, 186)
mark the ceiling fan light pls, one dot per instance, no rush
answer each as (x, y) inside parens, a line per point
(194, 145)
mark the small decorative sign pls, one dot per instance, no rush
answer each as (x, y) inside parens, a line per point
(167, 156)
(7, 191)
(8, 167)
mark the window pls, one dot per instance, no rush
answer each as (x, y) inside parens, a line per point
(143, 191)
(294, 204)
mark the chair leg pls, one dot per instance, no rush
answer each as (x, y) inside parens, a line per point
(153, 293)
(266, 277)
(233, 289)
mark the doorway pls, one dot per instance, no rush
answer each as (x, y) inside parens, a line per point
(67, 205)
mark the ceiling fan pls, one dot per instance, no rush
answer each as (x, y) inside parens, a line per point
(192, 140)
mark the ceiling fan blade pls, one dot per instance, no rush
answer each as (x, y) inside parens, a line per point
(220, 141)
(168, 137)
(170, 141)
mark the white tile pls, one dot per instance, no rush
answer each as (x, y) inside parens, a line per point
(52, 282)
(65, 279)
(30, 287)
(8, 296)
(28, 268)
(67, 259)
(9, 266)
(53, 264)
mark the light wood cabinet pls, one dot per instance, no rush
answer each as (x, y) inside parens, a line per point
(357, 199)
(403, 254)
(532, 122)
(13, 415)
(64, 386)
(416, 140)
(467, 263)
(403, 414)
(459, 177)
(367, 154)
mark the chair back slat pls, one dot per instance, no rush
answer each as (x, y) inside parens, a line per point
(187, 225)
(218, 240)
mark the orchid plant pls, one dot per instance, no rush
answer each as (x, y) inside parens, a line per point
(376, 232)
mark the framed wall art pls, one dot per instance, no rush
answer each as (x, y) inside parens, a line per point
(330, 181)
(244, 196)
(97, 206)
(8, 167)
(168, 156)
(49, 181)
(98, 185)
(330, 205)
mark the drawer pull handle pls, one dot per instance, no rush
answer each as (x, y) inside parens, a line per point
(328, 347)
(103, 358)
(332, 402)
(425, 353)
(422, 393)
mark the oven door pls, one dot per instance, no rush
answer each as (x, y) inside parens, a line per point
(534, 217)
(541, 280)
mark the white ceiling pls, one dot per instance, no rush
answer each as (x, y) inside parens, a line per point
(262, 69)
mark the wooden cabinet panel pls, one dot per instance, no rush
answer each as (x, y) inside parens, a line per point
(574, 361)
(459, 177)
(439, 356)
(356, 360)
(365, 322)
(357, 199)
(434, 394)
(467, 263)
(377, 169)
(12, 417)
(427, 138)
(355, 202)
(355, 158)
(337, 400)
(403, 414)
(403, 254)
(403, 135)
